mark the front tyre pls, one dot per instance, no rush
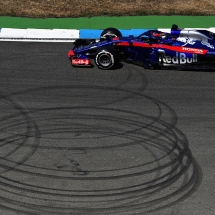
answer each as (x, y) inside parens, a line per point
(105, 58)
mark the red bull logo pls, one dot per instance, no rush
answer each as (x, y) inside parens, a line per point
(179, 58)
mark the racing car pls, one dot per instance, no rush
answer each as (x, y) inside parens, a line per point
(151, 49)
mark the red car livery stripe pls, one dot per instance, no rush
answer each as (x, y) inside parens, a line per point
(163, 46)
(137, 44)
(184, 49)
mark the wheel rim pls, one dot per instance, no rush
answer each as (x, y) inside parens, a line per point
(104, 60)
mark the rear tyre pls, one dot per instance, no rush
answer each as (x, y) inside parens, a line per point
(111, 33)
(106, 58)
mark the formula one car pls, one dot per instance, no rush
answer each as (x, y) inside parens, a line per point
(152, 49)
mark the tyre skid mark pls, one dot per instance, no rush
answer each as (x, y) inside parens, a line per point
(167, 175)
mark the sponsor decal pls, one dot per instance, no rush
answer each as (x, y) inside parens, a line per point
(192, 50)
(212, 53)
(179, 58)
(184, 49)
(80, 61)
(186, 40)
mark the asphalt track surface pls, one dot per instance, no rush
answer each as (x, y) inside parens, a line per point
(82, 141)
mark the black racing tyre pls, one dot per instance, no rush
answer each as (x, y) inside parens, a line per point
(106, 58)
(111, 33)
(83, 42)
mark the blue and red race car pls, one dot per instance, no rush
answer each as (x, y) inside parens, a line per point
(152, 49)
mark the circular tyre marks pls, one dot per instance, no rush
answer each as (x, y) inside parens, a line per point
(76, 154)
(19, 135)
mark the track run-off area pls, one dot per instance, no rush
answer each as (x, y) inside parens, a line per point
(84, 141)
